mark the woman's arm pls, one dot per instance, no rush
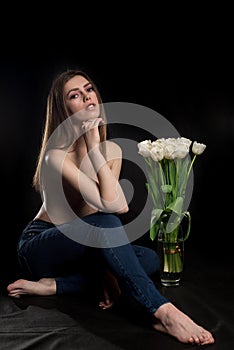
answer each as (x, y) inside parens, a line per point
(107, 170)
(105, 194)
(110, 191)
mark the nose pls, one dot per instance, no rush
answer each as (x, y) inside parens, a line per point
(86, 97)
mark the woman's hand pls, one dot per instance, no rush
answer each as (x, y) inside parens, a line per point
(91, 132)
(111, 291)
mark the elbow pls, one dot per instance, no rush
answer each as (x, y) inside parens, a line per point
(124, 210)
(114, 207)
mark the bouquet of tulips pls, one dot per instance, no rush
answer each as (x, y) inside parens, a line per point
(169, 166)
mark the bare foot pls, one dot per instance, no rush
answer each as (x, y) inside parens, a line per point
(175, 323)
(111, 291)
(45, 286)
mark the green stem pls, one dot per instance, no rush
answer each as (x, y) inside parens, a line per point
(173, 260)
(161, 173)
(193, 160)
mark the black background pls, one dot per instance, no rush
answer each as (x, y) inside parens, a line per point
(192, 91)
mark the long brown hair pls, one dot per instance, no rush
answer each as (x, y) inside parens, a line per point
(56, 113)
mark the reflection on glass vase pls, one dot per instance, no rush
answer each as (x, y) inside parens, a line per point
(171, 254)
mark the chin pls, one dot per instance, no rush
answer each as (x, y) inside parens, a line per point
(85, 115)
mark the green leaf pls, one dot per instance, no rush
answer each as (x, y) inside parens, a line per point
(183, 176)
(166, 188)
(177, 205)
(155, 215)
(153, 232)
(187, 214)
(154, 229)
(155, 222)
(172, 173)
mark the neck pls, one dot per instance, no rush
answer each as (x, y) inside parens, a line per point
(79, 146)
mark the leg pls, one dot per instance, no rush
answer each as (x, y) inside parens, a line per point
(148, 259)
(61, 257)
(126, 266)
(48, 286)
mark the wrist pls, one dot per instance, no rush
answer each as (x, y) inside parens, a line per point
(93, 148)
(96, 157)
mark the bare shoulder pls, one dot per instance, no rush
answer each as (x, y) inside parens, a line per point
(113, 150)
(55, 157)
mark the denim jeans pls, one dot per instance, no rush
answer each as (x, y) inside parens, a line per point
(45, 251)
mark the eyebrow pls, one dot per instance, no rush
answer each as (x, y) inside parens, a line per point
(77, 89)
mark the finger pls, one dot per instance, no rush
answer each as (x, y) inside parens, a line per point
(91, 123)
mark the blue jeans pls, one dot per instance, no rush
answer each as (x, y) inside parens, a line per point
(45, 251)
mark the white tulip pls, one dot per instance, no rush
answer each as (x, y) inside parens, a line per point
(198, 148)
(169, 151)
(181, 151)
(156, 152)
(185, 141)
(144, 148)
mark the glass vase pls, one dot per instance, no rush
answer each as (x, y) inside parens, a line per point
(170, 248)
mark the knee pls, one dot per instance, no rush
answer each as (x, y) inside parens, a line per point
(110, 221)
(148, 258)
(154, 261)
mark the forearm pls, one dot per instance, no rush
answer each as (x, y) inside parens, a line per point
(111, 194)
(108, 184)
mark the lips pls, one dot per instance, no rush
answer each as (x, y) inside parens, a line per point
(90, 107)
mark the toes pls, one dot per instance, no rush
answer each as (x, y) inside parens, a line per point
(208, 340)
(191, 340)
(197, 340)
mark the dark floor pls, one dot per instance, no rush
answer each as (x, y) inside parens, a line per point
(206, 294)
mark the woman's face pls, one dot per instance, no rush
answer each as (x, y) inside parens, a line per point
(80, 97)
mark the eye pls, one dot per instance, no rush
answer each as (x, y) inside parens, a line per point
(90, 88)
(74, 96)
